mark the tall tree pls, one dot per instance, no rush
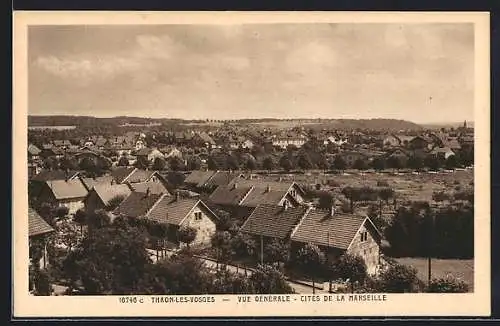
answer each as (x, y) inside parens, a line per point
(267, 279)
(268, 163)
(159, 164)
(310, 259)
(110, 260)
(339, 163)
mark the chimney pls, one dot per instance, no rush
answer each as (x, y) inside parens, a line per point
(177, 196)
(268, 188)
(235, 185)
(285, 205)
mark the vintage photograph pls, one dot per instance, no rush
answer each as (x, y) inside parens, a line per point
(260, 160)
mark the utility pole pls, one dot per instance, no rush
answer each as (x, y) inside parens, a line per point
(261, 250)
(327, 263)
(431, 246)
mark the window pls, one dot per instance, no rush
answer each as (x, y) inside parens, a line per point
(364, 236)
(197, 216)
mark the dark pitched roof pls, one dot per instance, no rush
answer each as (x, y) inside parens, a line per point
(140, 176)
(220, 178)
(70, 189)
(198, 177)
(36, 224)
(154, 187)
(273, 221)
(263, 196)
(107, 191)
(319, 228)
(122, 172)
(46, 175)
(33, 150)
(228, 195)
(137, 204)
(169, 210)
(89, 183)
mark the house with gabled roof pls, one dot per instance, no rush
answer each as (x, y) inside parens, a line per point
(39, 230)
(123, 174)
(273, 222)
(33, 152)
(68, 193)
(176, 212)
(37, 181)
(337, 233)
(151, 186)
(100, 196)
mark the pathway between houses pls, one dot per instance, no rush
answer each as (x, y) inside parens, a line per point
(300, 287)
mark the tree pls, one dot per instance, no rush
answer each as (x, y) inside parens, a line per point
(61, 212)
(50, 163)
(221, 241)
(123, 161)
(268, 163)
(286, 163)
(232, 162)
(399, 279)
(350, 267)
(142, 163)
(360, 164)
(159, 164)
(243, 245)
(310, 260)
(394, 162)
(175, 163)
(80, 217)
(432, 162)
(110, 260)
(68, 163)
(269, 280)
(194, 163)
(213, 164)
(276, 251)
(98, 219)
(304, 161)
(448, 284)
(339, 163)
(186, 234)
(250, 164)
(415, 162)
(326, 200)
(378, 164)
(451, 162)
(42, 283)
(322, 162)
(352, 194)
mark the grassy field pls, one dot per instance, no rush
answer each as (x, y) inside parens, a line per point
(460, 268)
(408, 186)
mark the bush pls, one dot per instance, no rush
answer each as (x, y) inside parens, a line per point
(42, 283)
(62, 211)
(448, 284)
(399, 279)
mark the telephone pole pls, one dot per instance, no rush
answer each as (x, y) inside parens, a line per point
(430, 249)
(261, 250)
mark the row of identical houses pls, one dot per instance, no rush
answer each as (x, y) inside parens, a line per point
(264, 209)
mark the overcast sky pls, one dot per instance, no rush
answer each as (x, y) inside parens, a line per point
(416, 72)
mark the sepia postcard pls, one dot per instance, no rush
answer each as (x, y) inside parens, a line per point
(251, 164)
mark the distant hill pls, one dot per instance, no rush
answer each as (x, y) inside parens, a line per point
(375, 124)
